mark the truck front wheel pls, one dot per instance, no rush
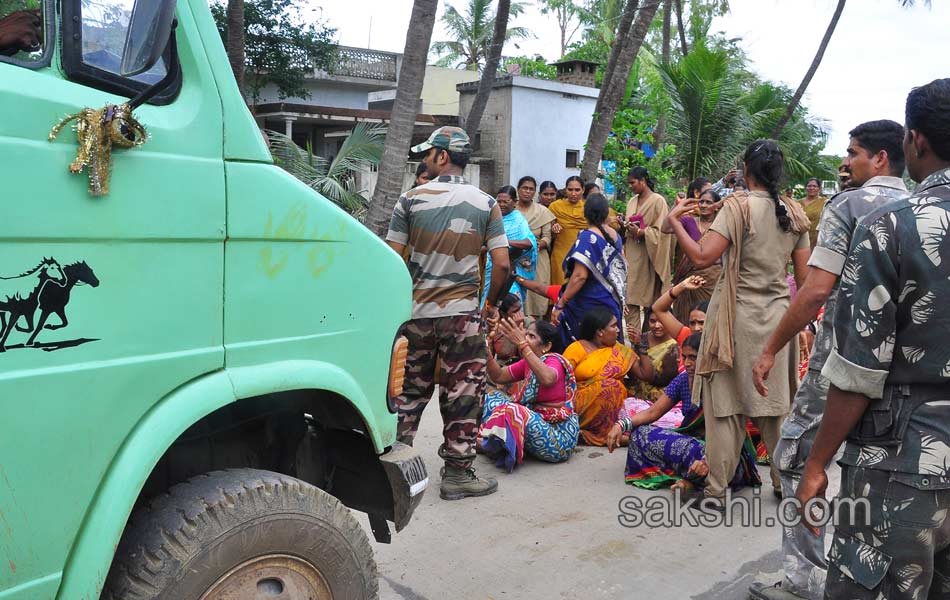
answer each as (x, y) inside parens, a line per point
(243, 533)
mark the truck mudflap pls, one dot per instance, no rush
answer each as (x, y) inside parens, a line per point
(408, 479)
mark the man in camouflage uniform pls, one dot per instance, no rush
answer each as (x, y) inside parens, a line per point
(889, 377)
(445, 223)
(875, 158)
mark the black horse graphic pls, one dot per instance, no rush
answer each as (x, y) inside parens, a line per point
(19, 295)
(53, 298)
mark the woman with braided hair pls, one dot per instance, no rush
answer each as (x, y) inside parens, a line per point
(755, 234)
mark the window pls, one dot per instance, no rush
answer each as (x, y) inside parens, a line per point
(94, 35)
(35, 26)
(572, 158)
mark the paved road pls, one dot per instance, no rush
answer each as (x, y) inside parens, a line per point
(552, 531)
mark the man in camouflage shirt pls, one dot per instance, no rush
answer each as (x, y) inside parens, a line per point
(889, 378)
(445, 223)
(875, 157)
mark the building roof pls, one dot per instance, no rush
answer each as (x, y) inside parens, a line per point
(547, 85)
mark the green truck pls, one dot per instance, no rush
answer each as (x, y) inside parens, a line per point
(197, 368)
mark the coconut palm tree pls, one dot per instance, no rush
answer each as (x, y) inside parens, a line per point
(802, 138)
(499, 34)
(472, 34)
(615, 83)
(334, 179)
(816, 62)
(235, 42)
(705, 121)
(403, 116)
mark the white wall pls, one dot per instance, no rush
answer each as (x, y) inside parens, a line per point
(322, 93)
(545, 123)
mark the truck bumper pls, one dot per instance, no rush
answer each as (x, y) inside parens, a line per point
(408, 480)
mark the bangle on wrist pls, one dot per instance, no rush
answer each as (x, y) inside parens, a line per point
(670, 292)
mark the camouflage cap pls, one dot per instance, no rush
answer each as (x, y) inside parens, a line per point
(453, 139)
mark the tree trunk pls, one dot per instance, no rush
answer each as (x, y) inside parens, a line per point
(684, 47)
(611, 93)
(563, 21)
(235, 45)
(403, 116)
(474, 119)
(623, 29)
(793, 103)
(660, 132)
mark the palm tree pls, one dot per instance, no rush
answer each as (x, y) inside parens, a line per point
(491, 67)
(706, 121)
(403, 116)
(472, 34)
(813, 68)
(612, 89)
(235, 43)
(802, 138)
(334, 179)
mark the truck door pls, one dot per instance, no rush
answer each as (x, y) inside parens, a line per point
(123, 291)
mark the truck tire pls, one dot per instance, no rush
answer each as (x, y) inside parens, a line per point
(243, 533)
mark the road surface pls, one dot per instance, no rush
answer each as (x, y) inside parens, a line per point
(553, 531)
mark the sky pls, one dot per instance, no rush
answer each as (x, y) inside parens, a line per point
(878, 53)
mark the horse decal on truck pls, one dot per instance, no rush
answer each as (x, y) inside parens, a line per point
(46, 287)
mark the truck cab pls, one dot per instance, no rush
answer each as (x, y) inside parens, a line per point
(197, 368)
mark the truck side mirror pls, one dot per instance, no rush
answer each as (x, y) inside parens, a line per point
(150, 26)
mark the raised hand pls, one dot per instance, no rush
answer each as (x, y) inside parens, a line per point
(694, 282)
(513, 331)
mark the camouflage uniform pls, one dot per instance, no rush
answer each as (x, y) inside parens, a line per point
(804, 560)
(891, 329)
(445, 223)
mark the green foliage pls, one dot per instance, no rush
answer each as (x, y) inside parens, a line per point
(9, 6)
(631, 129)
(706, 119)
(802, 139)
(280, 47)
(531, 67)
(335, 180)
(471, 34)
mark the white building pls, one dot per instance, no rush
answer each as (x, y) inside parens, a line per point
(534, 126)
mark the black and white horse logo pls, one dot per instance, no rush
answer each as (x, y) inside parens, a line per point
(46, 287)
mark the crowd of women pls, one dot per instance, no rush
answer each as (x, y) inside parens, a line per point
(639, 328)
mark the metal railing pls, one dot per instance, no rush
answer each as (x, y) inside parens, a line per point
(366, 64)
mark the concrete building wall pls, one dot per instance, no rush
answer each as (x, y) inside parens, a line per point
(439, 96)
(545, 123)
(322, 93)
(495, 130)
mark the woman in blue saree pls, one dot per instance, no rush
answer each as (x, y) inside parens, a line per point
(596, 272)
(522, 245)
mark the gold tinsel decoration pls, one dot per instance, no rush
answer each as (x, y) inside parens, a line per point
(97, 132)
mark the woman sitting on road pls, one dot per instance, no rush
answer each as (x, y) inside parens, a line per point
(661, 351)
(657, 457)
(540, 419)
(600, 364)
(504, 351)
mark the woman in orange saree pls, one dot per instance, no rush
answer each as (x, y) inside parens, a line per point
(600, 365)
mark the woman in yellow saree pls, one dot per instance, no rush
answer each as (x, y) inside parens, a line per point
(600, 365)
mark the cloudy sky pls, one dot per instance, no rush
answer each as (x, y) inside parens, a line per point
(878, 53)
